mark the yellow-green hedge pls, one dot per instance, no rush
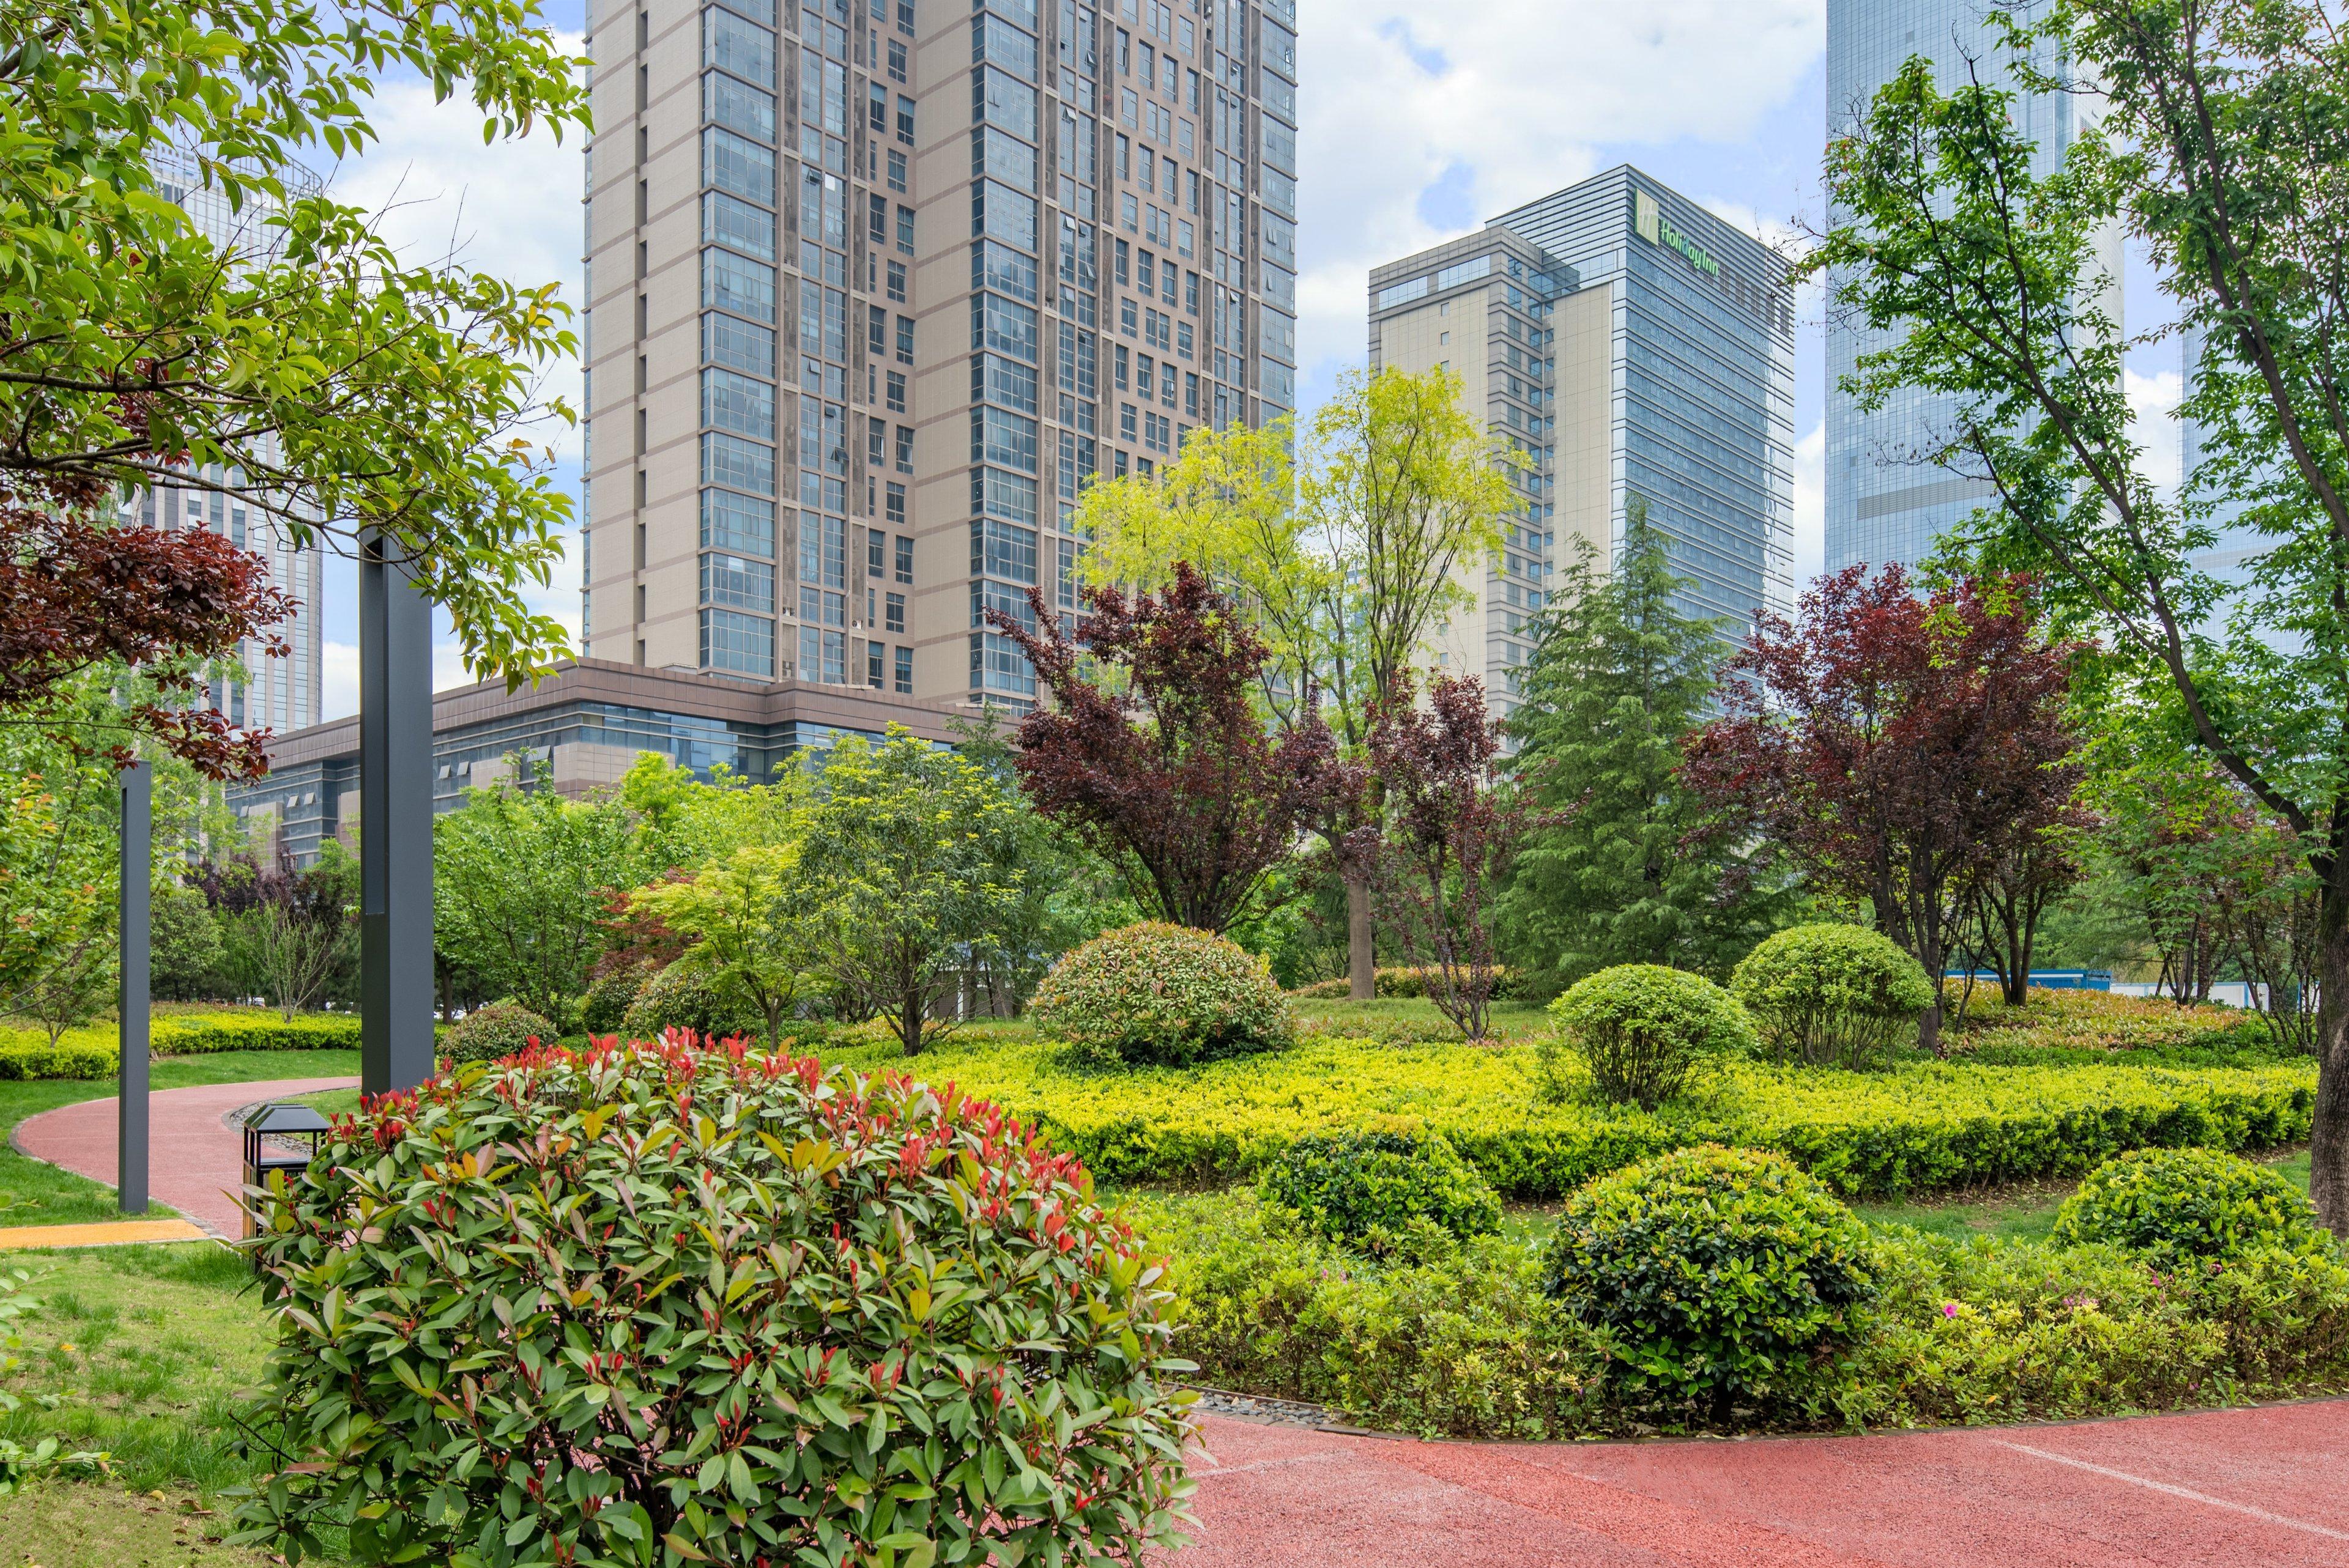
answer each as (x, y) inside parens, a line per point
(1916, 1128)
(89, 1053)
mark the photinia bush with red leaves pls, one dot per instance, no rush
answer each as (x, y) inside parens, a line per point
(671, 1302)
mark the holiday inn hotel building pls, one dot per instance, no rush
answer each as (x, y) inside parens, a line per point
(1626, 343)
(877, 288)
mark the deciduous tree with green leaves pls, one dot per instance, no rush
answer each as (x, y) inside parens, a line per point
(2225, 123)
(1351, 561)
(1632, 865)
(906, 872)
(521, 880)
(307, 365)
(748, 919)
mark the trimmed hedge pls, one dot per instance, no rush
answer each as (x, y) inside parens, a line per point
(1975, 1331)
(1384, 1191)
(1399, 982)
(1917, 1127)
(90, 1052)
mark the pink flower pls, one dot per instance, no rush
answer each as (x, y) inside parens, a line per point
(1949, 1309)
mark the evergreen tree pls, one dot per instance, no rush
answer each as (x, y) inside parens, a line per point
(1636, 869)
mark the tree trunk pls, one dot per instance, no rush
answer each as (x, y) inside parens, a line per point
(2328, 1143)
(1361, 949)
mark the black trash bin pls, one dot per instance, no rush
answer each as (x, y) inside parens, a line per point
(267, 1133)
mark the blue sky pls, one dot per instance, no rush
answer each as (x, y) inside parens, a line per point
(1421, 120)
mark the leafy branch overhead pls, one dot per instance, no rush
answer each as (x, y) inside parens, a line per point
(307, 366)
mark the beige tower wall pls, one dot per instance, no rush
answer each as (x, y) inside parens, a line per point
(1584, 324)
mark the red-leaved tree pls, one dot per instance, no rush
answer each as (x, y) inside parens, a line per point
(77, 592)
(1898, 745)
(1165, 768)
(1453, 832)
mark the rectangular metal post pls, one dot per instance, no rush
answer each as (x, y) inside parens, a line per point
(395, 822)
(130, 1094)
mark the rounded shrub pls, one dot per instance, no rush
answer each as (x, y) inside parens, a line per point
(685, 995)
(1832, 994)
(576, 1307)
(500, 1029)
(1162, 994)
(1713, 1276)
(2174, 1206)
(1375, 1190)
(1641, 1027)
(604, 1009)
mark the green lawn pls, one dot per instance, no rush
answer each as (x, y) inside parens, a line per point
(34, 1194)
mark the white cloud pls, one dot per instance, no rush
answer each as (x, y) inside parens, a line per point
(1498, 103)
(339, 676)
(1810, 506)
(510, 209)
(2153, 402)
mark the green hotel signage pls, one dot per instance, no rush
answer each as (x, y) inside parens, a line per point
(1657, 230)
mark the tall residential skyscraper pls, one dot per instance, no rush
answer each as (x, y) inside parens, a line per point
(281, 694)
(875, 287)
(1885, 501)
(1627, 344)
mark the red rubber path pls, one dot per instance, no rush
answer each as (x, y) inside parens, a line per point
(194, 1159)
(2247, 1487)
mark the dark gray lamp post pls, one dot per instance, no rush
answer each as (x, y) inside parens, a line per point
(395, 821)
(132, 1005)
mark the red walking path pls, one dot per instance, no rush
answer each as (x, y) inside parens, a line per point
(2267, 1486)
(2226, 1487)
(194, 1159)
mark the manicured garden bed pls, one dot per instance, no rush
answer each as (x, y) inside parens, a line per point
(1920, 1126)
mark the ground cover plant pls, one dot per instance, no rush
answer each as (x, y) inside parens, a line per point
(738, 1305)
(1382, 1191)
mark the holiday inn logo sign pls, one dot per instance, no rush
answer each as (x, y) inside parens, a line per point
(1657, 230)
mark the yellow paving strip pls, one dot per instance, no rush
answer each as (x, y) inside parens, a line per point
(110, 1233)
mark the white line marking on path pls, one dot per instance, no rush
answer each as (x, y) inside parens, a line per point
(2258, 1513)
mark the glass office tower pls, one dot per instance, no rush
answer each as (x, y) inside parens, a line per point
(1886, 500)
(1629, 343)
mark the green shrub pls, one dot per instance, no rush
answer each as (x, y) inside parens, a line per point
(1832, 994)
(604, 1009)
(685, 995)
(777, 1310)
(1164, 995)
(2173, 1205)
(1377, 1190)
(1713, 1276)
(1462, 1343)
(1641, 1027)
(501, 1030)
(1398, 982)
